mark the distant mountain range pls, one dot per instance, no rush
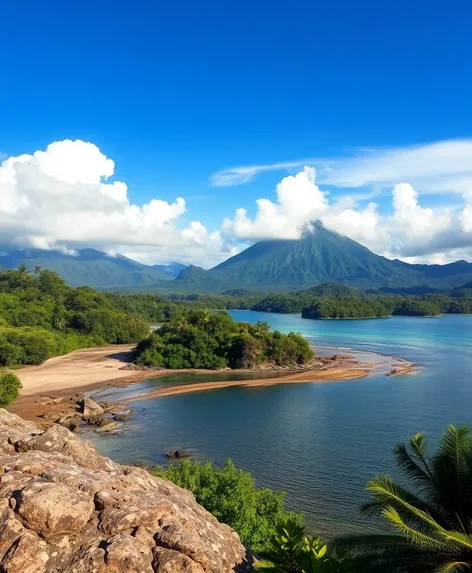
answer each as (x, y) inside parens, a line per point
(318, 257)
(92, 267)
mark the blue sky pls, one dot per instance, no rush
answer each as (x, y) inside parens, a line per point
(174, 92)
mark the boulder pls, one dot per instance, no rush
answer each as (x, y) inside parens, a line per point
(89, 408)
(71, 422)
(66, 509)
(178, 454)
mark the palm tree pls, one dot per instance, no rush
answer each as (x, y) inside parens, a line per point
(179, 323)
(22, 270)
(36, 271)
(432, 521)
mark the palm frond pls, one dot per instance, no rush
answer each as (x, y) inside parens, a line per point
(414, 466)
(417, 537)
(453, 567)
(459, 538)
(387, 493)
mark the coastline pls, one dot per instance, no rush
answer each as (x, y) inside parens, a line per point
(97, 368)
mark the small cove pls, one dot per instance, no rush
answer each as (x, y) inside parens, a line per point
(318, 442)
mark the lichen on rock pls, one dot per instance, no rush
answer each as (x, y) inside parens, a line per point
(66, 509)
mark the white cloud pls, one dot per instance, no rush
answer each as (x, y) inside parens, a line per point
(62, 198)
(413, 222)
(409, 231)
(65, 197)
(299, 201)
(246, 174)
(444, 166)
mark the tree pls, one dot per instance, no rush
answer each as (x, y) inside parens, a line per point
(230, 494)
(59, 314)
(36, 271)
(23, 274)
(432, 520)
(9, 388)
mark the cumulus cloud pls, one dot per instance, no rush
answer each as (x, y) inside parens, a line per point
(65, 197)
(410, 231)
(439, 167)
(299, 200)
(62, 197)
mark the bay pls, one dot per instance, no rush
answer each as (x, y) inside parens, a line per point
(318, 442)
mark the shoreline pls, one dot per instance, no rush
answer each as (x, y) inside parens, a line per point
(98, 368)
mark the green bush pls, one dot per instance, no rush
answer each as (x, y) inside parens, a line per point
(231, 495)
(291, 551)
(9, 388)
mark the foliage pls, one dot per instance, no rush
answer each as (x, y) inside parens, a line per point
(432, 520)
(291, 551)
(196, 338)
(347, 308)
(331, 290)
(9, 387)
(40, 317)
(231, 495)
(372, 306)
(328, 300)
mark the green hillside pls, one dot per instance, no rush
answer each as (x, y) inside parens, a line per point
(331, 290)
(91, 267)
(318, 257)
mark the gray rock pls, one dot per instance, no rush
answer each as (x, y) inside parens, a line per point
(66, 509)
(89, 407)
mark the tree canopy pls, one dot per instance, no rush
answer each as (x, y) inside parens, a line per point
(40, 317)
(197, 338)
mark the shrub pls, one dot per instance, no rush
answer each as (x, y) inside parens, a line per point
(231, 495)
(9, 388)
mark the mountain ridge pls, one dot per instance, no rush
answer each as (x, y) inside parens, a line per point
(319, 256)
(91, 267)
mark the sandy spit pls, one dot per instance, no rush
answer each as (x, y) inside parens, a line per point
(333, 374)
(95, 368)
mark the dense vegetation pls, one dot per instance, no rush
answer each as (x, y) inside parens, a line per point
(196, 338)
(373, 306)
(40, 317)
(332, 300)
(347, 308)
(432, 520)
(230, 494)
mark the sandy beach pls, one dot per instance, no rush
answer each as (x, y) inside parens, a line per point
(79, 371)
(95, 368)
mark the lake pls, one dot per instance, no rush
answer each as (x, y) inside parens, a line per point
(318, 442)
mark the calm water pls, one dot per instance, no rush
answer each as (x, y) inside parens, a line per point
(318, 442)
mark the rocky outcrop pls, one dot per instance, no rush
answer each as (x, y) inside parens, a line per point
(66, 509)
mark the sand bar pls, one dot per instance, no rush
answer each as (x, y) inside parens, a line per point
(95, 368)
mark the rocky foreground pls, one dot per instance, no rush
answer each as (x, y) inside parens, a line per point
(64, 508)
